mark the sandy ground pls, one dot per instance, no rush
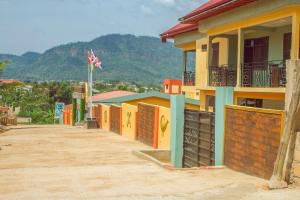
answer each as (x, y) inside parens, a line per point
(57, 162)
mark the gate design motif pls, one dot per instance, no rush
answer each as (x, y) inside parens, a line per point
(199, 138)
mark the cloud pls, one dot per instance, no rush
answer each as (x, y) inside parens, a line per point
(146, 10)
(166, 2)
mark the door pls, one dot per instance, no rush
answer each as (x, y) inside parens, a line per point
(287, 44)
(215, 54)
(256, 62)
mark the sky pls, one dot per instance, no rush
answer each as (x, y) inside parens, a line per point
(37, 25)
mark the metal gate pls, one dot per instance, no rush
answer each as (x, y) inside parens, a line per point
(115, 119)
(146, 124)
(199, 138)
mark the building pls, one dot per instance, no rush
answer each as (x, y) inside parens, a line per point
(172, 86)
(238, 43)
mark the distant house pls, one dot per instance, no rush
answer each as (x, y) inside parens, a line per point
(110, 95)
(8, 81)
(26, 88)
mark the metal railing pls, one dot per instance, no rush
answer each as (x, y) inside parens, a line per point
(264, 74)
(189, 78)
(224, 75)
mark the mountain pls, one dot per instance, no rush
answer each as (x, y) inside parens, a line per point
(143, 60)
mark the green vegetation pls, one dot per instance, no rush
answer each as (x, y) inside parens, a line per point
(143, 60)
(38, 103)
(2, 66)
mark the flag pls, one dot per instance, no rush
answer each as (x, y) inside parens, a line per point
(93, 60)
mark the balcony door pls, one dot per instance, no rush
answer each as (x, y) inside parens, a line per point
(287, 45)
(215, 55)
(256, 52)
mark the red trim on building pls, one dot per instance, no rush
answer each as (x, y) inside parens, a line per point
(212, 8)
(178, 29)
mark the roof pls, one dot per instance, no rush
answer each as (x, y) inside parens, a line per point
(209, 9)
(178, 29)
(8, 81)
(3, 109)
(172, 81)
(145, 95)
(213, 8)
(113, 94)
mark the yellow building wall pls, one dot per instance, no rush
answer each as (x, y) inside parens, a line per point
(190, 92)
(151, 100)
(201, 63)
(105, 117)
(129, 121)
(164, 129)
(159, 102)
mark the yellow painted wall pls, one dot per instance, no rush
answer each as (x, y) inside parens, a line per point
(190, 92)
(105, 117)
(164, 128)
(151, 100)
(158, 102)
(129, 120)
(201, 63)
(223, 50)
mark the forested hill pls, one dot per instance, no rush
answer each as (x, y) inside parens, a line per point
(143, 59)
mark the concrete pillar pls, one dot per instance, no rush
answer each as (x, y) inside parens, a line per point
(184, 54)
(224, 95)
(295, 36)
(177, 126)
(240, 57)
(209, 57)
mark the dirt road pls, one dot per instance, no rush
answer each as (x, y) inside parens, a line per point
(57, 162)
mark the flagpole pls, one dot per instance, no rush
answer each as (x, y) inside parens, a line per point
(91, 94)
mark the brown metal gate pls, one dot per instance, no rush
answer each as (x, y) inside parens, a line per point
(199, 138)
(146, 124)
(115, 119)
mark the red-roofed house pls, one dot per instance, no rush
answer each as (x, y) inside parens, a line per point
(239, 43)
(8, 81)
(112, 94)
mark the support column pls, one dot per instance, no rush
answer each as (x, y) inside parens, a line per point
(184, 54)
(240, 57)
(295, 36)
(177, 126)
(209, 57)
(224, 95)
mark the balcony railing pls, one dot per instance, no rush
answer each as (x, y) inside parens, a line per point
(224, 75)
(189, 78)
(264, 74)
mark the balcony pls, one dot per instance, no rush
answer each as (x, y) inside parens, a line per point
(189, 78)
(224, 75)
(264, 74)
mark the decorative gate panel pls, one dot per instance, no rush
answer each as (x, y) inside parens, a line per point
(115, 119)
(199, 138)
(146, 124)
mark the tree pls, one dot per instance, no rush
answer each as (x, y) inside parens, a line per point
(2, 65)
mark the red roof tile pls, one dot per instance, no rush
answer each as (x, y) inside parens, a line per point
(209, 9)
(213, 8)
(113, 94)
(9, 81)
(178, 29)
